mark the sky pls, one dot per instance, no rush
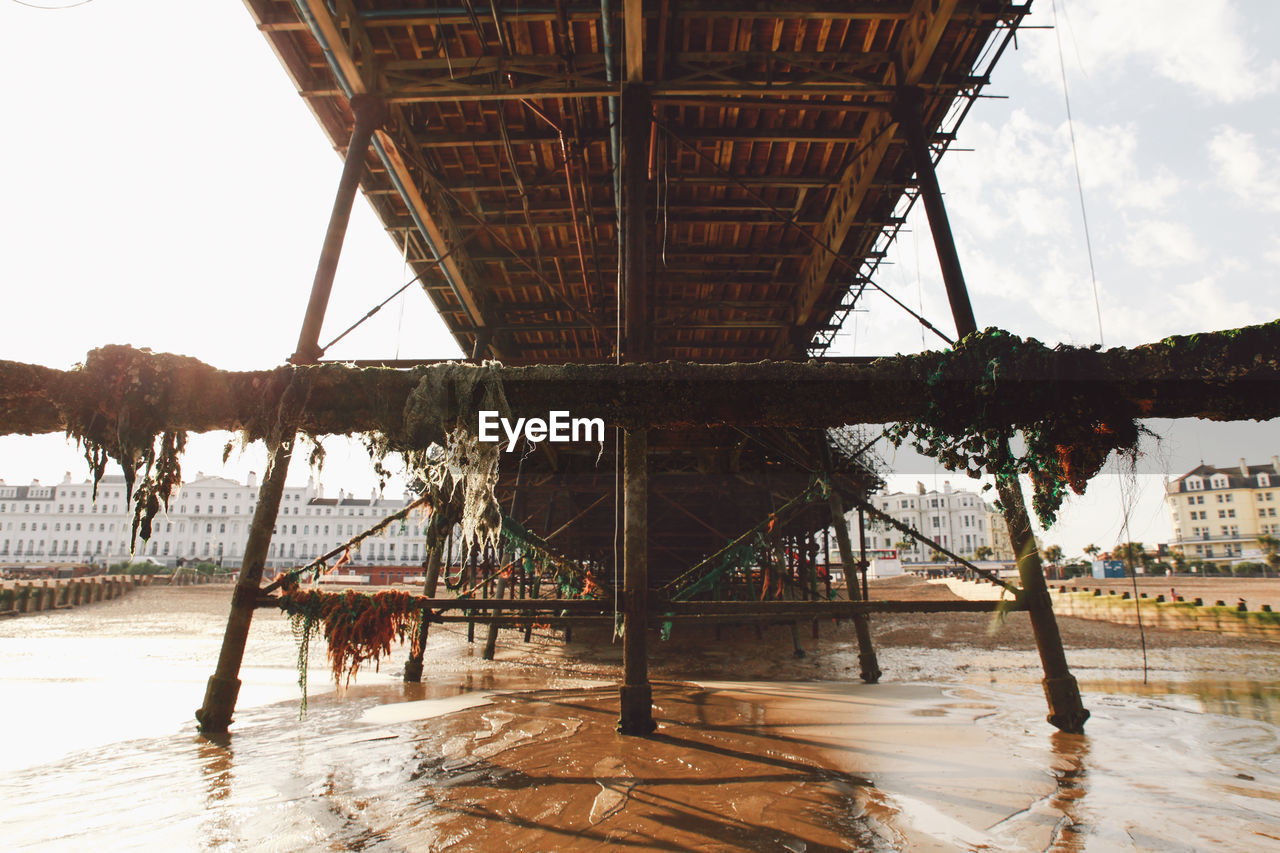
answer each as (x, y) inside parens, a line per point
(164, 185)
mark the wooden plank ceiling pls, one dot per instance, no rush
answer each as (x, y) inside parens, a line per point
(776, 173)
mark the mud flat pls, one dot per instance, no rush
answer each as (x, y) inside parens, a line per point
(756, 749)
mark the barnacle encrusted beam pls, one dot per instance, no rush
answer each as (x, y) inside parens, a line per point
(991, 378)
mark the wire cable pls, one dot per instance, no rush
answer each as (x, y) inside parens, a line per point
(1075, 159)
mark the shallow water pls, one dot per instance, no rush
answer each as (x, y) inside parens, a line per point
(521, 753)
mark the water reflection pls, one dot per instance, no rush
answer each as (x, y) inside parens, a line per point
(1244, 698)
(516, 754)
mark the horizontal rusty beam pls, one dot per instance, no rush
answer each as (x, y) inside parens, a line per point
(1231, 375)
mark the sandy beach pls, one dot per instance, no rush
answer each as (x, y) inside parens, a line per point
(757, 749)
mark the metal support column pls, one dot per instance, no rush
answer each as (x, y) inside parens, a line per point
(430, 581)
(370, 111)
(636, 716)
(637, 116)
(215, 714)
(1066, 710)
(870, 667)
(863, 565)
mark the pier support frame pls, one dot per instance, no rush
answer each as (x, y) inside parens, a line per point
(868, 665)
(636, 717)
(636, 711)
(1066, 710)
(215, 714)
(430, 581)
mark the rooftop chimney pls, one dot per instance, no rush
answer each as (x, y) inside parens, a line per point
(253, 479)
(1244, 468)
(919, 488)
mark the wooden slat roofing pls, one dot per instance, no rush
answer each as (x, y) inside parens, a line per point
(777, 174)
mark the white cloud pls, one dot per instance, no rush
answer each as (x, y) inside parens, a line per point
(1241, 167)
(1196, 306)
(1109, 163)
(1160, 243)
(1200, 44)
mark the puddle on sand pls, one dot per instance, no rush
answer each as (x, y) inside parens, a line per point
(522, 754)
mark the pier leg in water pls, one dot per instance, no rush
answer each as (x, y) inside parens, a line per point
(868, 664)
(224, 685)
(636, 717)
(1066, 711)
(491, 638)
(431, 580)
(223, 689)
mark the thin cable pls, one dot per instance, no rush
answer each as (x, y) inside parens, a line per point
(1126, 505)
(915, 239)
(1075, 159)
(375, 309)
(52, 8)
(404, 270)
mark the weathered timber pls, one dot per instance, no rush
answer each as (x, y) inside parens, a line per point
(1228, 375)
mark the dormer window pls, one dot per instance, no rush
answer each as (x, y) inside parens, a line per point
(1264, 480)
(1194, 484)
(1218, 482)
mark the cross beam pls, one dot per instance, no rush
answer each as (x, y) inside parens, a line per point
(1230, 375)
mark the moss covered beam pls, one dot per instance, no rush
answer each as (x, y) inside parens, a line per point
(1230, 375)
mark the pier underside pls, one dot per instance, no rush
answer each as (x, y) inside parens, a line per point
(657, 213)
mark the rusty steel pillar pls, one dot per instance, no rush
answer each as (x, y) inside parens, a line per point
(215, 714)
(430, 581)
(223, 689)
(636, 716)
(1066, 710)
(370, 112)
(868, 664)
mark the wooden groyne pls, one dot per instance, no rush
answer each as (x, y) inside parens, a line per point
(21, 597)
(1236, 620)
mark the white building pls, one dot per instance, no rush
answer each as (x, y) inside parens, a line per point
(207, 520)
(1219, 513)
(957, 520)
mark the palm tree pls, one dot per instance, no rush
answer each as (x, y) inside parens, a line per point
(1133, 553)
(1092, 550)
(1053, 556)
(983, 553)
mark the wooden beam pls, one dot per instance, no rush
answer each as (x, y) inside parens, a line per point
(633, 38)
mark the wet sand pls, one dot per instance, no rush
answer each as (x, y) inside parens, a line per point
(756, 749)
